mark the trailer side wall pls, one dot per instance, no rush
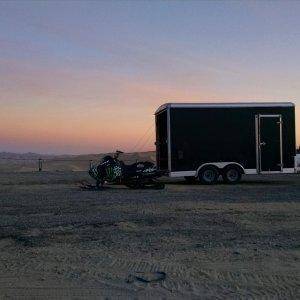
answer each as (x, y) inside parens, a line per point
(201, 135)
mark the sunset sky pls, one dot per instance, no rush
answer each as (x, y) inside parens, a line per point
(86, 77)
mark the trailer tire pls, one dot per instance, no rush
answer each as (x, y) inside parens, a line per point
(208, 175)
(232, 174)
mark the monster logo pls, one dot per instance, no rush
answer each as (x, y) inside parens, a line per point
(113, 172)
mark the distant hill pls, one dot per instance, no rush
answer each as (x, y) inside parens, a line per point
(31, 155)
(29, 161)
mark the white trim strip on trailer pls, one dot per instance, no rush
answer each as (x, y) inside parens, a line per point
(269, 116)
(250, 171)
(220, 165)
(288, 170)
(257, 141)
(247, 172)
(194, 173)
(182, 173)
(169, 139)
(224, 105)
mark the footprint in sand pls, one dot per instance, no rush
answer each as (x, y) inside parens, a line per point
(146, 277)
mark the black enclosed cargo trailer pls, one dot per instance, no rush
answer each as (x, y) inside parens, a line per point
(229, 139)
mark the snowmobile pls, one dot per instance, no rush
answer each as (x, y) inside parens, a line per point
(138, 175)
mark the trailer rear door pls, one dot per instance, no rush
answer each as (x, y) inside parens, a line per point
(270, 143)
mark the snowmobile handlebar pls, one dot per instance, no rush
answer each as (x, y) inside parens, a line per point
(117, 153)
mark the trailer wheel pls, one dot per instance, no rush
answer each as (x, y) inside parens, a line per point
(232, 174)
(209, 175)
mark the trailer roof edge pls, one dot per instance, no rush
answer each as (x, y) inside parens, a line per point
(220, 104)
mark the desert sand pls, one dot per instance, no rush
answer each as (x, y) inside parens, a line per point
(187, 241)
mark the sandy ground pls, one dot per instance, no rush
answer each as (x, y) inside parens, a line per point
(187, 241)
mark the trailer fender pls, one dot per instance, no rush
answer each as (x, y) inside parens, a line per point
(221, 166)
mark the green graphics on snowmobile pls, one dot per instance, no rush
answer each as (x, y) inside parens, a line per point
(94, 173)
(137, 175)
(113, 172)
